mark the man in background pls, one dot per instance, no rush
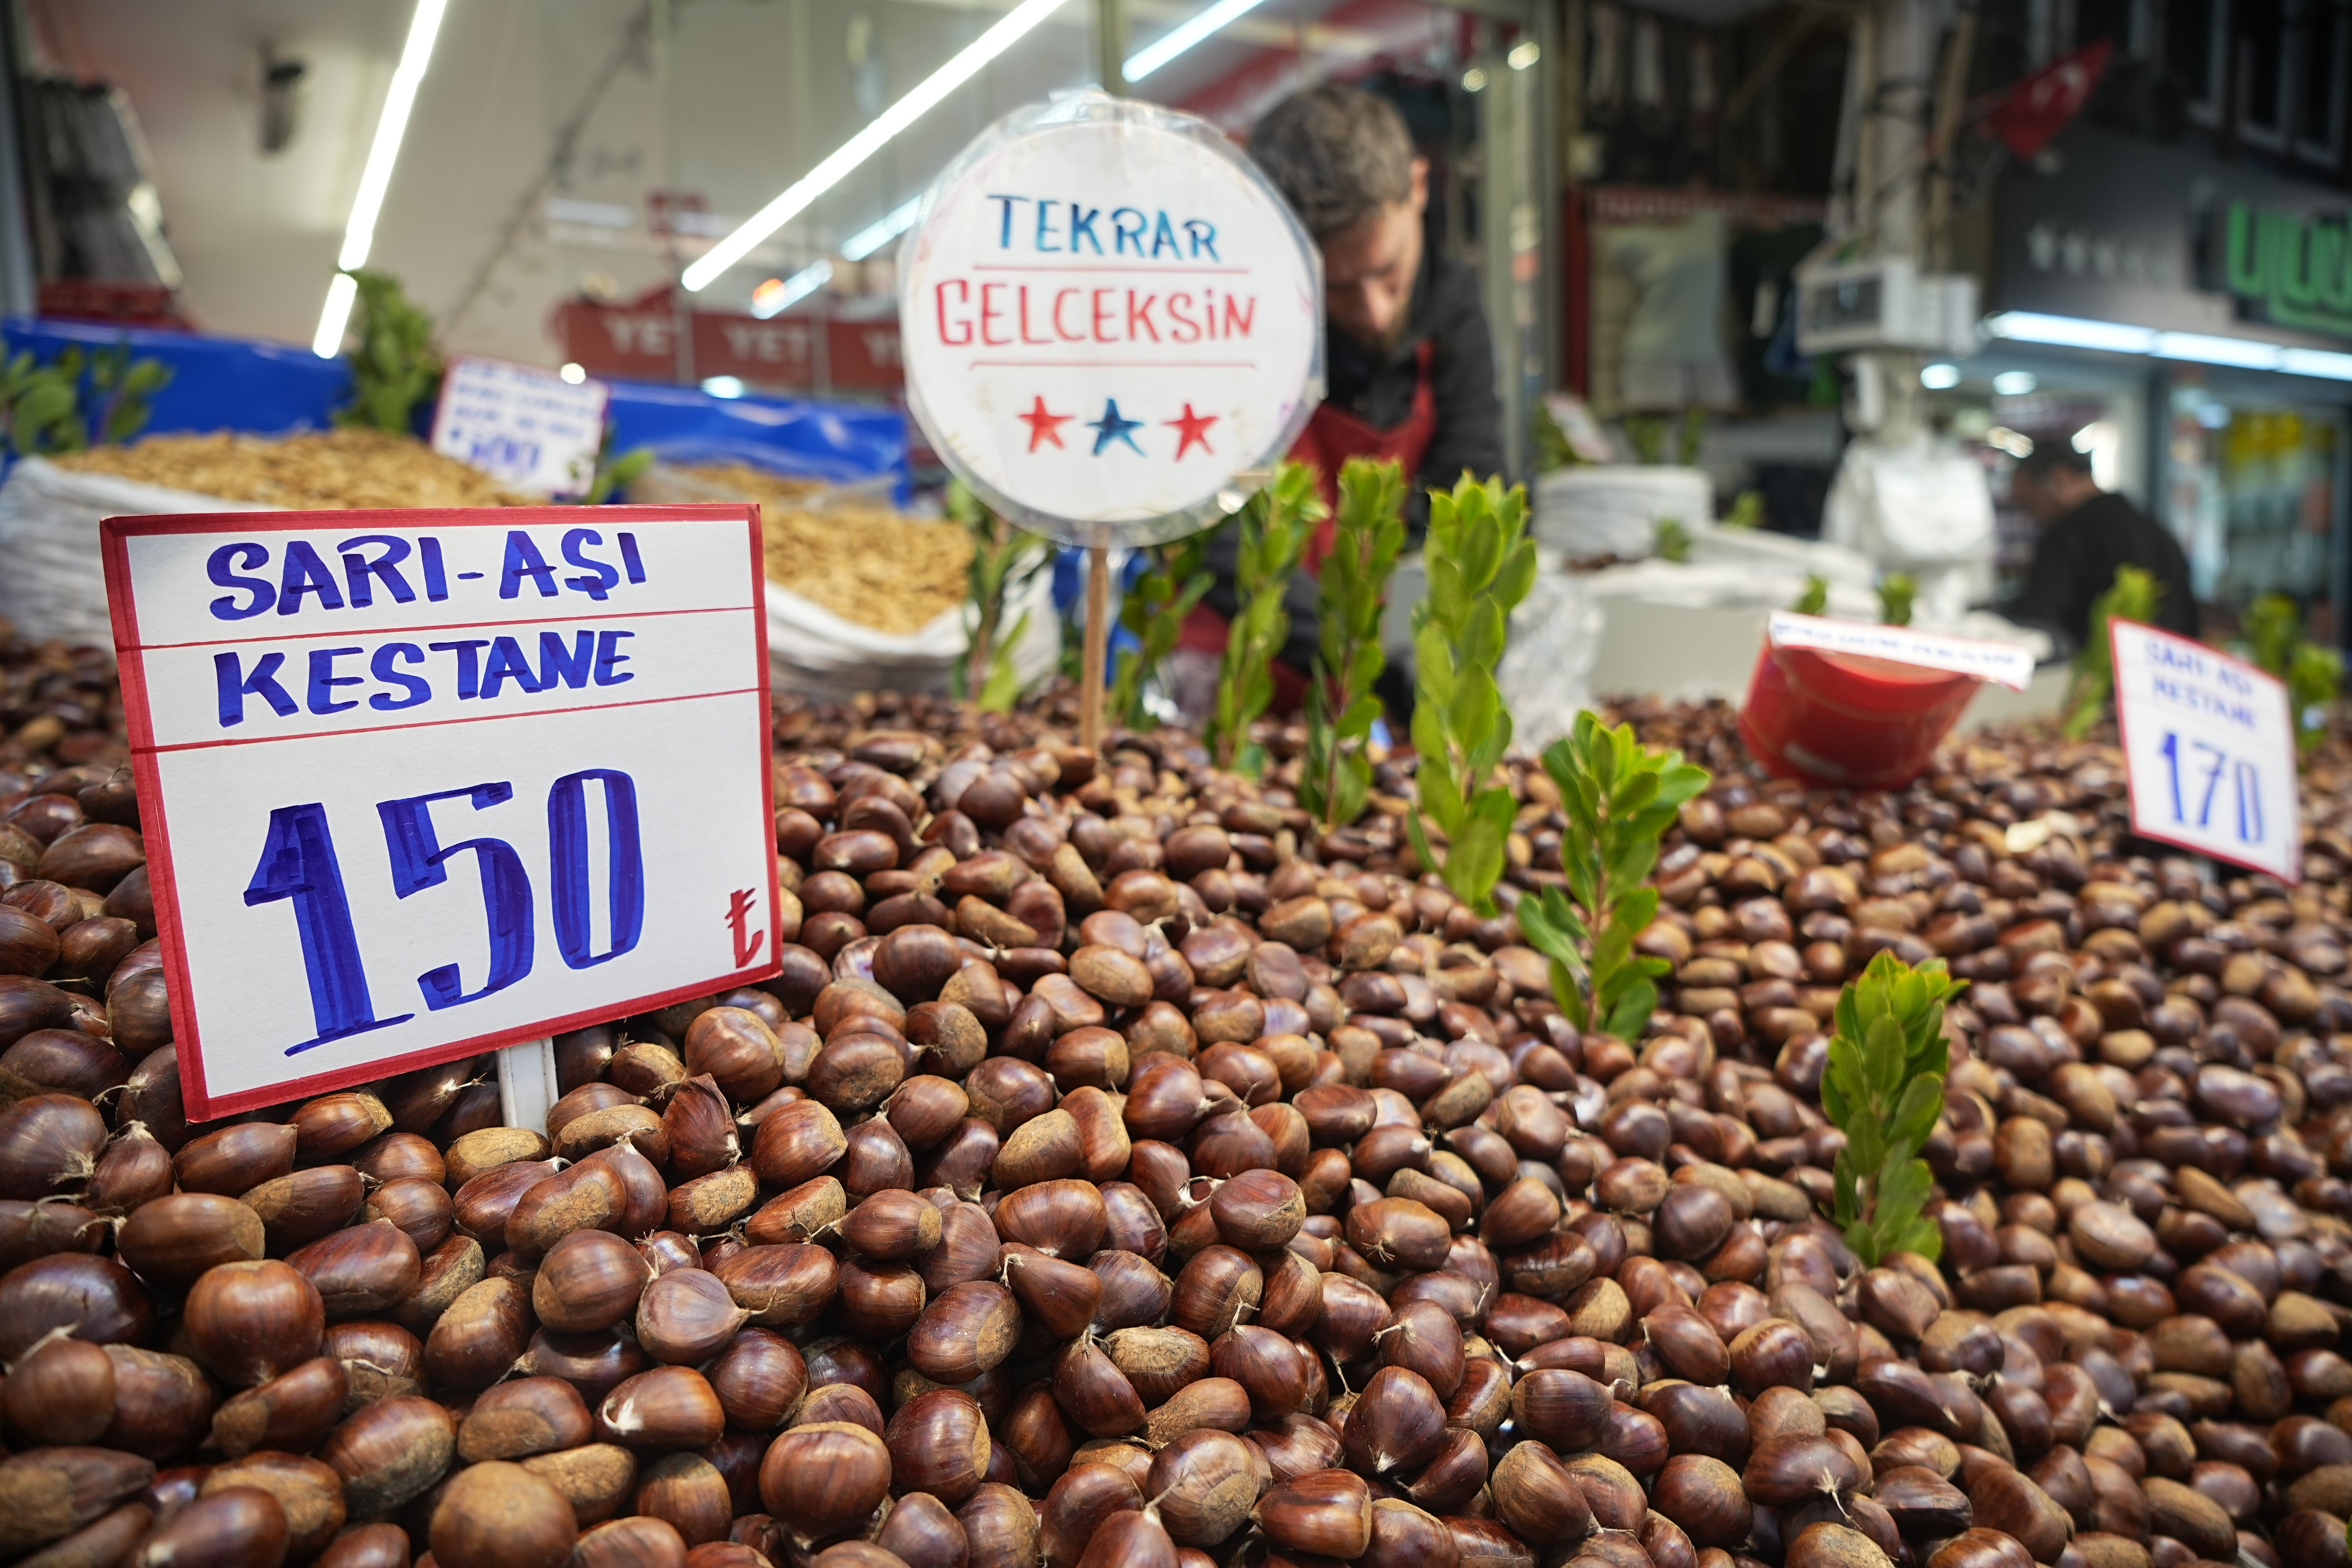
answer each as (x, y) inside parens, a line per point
(2086, 533)
(1409, 365)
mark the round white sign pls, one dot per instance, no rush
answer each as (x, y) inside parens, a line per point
(1112, 324)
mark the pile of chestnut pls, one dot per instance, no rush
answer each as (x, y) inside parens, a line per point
(1125, 1172)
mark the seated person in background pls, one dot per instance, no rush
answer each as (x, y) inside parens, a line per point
(2086, 533)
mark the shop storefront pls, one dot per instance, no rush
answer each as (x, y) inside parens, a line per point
(2187, 322)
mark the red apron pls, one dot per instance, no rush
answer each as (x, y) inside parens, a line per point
(1331, 437)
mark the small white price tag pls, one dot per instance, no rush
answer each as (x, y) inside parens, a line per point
(2002, 663)
(415, 784)
(526, 428)
(2208, 744)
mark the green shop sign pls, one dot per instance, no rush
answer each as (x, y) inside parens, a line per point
(2296, 270)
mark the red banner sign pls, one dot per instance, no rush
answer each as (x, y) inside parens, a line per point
(639, 340)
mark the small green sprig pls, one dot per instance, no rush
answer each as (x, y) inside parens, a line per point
(2132, 597)
(615, 470)
(1481, 564)
(1003, 559)
(1816, 597)
(1884, 1088)
(123, 386)
(396, 366)
(1275, 526)
(1154, 610)
(1673, 540)
(1340, 706)
(1618, 797)
(43, 403)
(1898, 592)
(2314, 675)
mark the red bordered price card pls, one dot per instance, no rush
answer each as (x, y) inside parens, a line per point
(419, 784)
(2208, 744)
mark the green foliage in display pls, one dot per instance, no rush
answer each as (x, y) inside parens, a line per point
(1673, 540)
(1746, 511)
(1884, 1089)
(1154, 610)
(1620, 796)
(1003, 559)
(616, 471)
(1816, 597)
(396, 366)
(1341, 706)
(44, 404)
(1275, 526)
(1898, 592)
(46, 410)
(2132, 597)
(2314, 675)
(123, 386)
(1481, 564)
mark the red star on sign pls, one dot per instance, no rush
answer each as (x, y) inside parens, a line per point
(1043, 425)
(1192, 430)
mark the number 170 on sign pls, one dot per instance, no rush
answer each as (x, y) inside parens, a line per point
(2209, 749)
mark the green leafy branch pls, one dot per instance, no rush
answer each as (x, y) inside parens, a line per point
(44, 408)
(1003, 559)
(1898, 592)
(2132, 597)
(615, 470)
(1884, 1088)
(1816, 597)
(2314, 675)
(123, 386)
(1275, 526)
(1673, 538)
(1481, 564)
(1340, 704)
(1620, 796)
(1154, 610)
(396, 366)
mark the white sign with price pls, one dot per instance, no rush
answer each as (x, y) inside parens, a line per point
(526, 428)
(419, 784)
(2209, 744)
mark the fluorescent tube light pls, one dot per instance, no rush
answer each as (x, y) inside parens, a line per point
(775, 302)
(375, 179)
(2197, 348)
(2200, 349)
(1183, 36)
(2319, 363)
(882, 230)
(2070, 332)
(1015, 25)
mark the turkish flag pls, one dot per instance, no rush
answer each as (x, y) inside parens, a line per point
(2030, 114)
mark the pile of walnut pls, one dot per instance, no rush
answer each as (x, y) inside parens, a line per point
(1123, 1173)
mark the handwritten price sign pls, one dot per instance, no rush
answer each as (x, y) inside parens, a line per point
(418, 784)
(1108, 316)
(2208, 744)
(528, 428)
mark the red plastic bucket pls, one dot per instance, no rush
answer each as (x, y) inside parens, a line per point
(1848, 719)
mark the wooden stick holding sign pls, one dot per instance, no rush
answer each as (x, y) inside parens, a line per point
(1113, 328)
(1097, 648)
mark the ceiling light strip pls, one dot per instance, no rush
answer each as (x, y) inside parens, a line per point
(375, 179)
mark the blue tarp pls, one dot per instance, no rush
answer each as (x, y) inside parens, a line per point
(834, 441)
(274, 389)
(217, 383)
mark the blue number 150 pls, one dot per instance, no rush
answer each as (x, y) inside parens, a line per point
(299, 864)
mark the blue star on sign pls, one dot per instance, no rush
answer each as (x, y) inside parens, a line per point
(1111, 427)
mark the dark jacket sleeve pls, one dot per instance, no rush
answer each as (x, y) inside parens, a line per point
(2049, 599)
(1462, 373)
